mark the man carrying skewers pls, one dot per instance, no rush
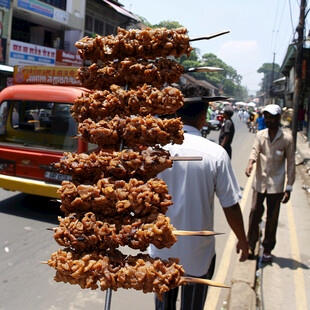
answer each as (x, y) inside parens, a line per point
(192, 185)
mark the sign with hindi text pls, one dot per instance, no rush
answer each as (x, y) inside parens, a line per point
(64, 76)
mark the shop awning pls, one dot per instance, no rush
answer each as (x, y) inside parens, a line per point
(121, 10)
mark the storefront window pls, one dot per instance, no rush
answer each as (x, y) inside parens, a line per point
(109, 29)
(61, 4)
(89, 23)
(98, 26)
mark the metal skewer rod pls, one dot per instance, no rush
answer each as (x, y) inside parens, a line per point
(204, 69)
(108, 296)
(210, 36)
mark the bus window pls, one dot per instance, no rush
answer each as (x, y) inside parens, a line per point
(3, 116)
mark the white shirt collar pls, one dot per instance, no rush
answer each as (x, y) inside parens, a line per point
(191, 130)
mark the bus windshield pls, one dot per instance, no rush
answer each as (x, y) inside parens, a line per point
(38, 124)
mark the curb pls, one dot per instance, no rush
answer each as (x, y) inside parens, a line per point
(242, 293)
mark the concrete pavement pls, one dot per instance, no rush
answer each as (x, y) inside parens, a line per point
(281, 284)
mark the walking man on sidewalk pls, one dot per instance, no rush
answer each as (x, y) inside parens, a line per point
(271, 150)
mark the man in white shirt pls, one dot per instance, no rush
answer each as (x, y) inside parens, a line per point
(192, 185)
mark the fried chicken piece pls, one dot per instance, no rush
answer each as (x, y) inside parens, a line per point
(109, 197)
(96, 232)
(135, 131)
(145, 164)
(146, 43)
(114, 270)
(98, 105)
(130, 72)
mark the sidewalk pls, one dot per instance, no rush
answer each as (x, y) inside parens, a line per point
(243, 295)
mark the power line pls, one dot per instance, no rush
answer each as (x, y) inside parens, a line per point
(289, 1)
(274, 26)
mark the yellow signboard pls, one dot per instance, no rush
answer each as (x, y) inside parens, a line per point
(65, 76)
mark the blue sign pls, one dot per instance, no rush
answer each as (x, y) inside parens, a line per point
(36, 6)
(5, 4)
(32, 58)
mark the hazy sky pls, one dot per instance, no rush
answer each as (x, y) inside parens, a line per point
(258, 29)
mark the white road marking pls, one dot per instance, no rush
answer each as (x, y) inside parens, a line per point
(213, 292)
(300, 294)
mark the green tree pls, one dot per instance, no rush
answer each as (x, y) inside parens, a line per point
(145, 22)
(228, 79)
(168, 24)
(271, 72)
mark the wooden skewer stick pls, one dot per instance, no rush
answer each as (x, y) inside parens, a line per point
(204, 69)
(204, 281)
(190, 280)
(180, 232)
(186, 158)
(195, 233)
(210, 36)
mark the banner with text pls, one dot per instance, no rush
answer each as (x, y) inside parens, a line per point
(22, 53)
(65, 76)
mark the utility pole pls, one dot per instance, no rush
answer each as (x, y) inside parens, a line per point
(297, 98)
(272, 78)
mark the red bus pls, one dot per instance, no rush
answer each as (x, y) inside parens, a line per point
(36, 128)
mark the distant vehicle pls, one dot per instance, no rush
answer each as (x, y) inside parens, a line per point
(215, 124)
(205, 129)
(36, 128)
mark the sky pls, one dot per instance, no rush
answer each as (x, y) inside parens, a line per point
(260, 30)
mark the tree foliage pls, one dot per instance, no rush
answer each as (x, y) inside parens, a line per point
(271, 72)
(228, 81)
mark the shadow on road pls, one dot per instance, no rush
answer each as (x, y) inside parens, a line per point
(33, 207)
(289, 263)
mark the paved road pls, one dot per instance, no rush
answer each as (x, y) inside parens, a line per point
(25, 241)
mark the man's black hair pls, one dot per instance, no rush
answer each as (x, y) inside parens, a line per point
(192, 109)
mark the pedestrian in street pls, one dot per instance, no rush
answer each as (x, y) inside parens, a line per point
(272, 149)
(227, 131)
(246, 116)
(192, 185)
(260, 122)
(240, 114)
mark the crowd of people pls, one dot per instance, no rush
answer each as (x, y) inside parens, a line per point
(193, 185)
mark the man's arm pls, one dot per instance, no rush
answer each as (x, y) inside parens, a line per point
(224, 140)
(249, 168)
(235, 220)
(253, 157)
(290, 170)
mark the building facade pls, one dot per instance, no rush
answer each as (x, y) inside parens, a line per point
(43, 33)
(288, 70)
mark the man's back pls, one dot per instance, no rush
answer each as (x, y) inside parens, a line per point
(192, 185)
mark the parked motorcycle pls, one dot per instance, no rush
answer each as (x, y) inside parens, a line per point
(205, 129)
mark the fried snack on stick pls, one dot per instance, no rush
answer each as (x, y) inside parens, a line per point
(96, 232)
(145, 100)
(115, 270)
(130, 72)
(134, 130)
(146, 43)
(109, 197)
(145, 164)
